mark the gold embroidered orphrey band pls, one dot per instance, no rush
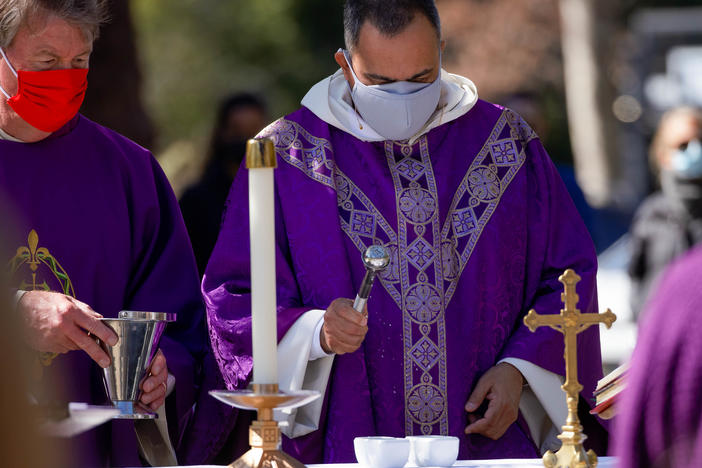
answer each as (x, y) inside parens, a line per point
(427, 259)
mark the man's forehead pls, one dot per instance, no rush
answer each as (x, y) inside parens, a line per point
(681, 129)
(419, 28)
(400, 56)
(46, 31)
(40, 22)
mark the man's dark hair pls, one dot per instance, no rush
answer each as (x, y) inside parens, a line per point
(229, 104)
(390, 17)
(238, 101)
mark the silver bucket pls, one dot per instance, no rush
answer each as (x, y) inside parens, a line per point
(139, 334)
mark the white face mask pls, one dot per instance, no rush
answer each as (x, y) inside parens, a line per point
(398, 110)
(687, 163)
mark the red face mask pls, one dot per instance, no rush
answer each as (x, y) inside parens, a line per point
(47, 100)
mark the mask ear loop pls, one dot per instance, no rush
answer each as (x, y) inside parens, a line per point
(12, 69)
(348, 61)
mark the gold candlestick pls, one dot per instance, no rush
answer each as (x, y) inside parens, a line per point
(570, 322)
(264, 433)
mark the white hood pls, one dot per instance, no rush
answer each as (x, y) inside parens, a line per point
(330, 100)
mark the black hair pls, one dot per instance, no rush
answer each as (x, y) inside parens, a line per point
(226, 106)
(237, 101)
(390, 17)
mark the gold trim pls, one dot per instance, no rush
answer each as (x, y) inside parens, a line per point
(570, 322)
(264, 389)
(260, 154)
(36, 256)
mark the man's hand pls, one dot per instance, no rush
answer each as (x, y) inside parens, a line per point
(502, 387)
(154, 386)
(344, 327)
(58, 323)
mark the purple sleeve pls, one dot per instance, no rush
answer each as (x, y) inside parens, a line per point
(659, 418)
(557, 239)
(226, 287)
(164, 279)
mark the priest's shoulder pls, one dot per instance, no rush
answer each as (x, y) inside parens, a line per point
(485, 110)
(108, 142)
(488, 114)
(305, 117)
(304, 120)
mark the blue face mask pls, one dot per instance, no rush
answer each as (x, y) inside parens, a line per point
(687, 163)
(396, 111)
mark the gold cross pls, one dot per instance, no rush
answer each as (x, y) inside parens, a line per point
(570, 322)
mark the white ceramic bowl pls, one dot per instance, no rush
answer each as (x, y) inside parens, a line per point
(433, 450)
(381, 452)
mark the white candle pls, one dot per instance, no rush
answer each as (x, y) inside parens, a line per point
(263, 290)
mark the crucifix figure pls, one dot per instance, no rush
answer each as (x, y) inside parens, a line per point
(570, 322)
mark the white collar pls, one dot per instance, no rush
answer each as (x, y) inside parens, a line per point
(330, 100)
(6, 136)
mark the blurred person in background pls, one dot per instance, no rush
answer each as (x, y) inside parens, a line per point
(669, 222)
(239, 117)
(659, 419)
(99, 229)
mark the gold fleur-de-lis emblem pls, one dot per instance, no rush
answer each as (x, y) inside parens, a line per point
(31, 255)
(34, 257)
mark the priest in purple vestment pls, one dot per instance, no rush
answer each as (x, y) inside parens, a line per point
(98, 229)
(393, 150)
(659, 421)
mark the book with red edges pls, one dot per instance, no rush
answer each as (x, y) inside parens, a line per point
(608, 388)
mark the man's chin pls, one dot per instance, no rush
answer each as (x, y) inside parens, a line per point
(20, 129)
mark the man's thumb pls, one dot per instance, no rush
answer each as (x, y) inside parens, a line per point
(478, 395)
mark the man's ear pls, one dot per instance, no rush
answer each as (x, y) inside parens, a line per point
(442, 45)
(341, 61)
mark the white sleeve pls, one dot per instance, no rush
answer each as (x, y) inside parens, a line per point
(543, 403)
(317, 351)
(166, 452)
(298, 370)
(17, 298)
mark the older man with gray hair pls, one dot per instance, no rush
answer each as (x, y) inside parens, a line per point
(99, 229)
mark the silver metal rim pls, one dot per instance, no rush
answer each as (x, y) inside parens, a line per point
(136, 416)
(140, 315)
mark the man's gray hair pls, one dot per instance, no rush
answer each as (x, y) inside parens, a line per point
(85, 14)
(390, 17)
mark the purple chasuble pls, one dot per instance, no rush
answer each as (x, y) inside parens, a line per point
(96, 219)
(659, 421)
(479, 225)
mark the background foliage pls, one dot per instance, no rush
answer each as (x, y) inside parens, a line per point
(196, 51)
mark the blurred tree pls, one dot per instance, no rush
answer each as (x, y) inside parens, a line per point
(505, 47)
(113, 98)
(512, 51)
(586, 56)
(196, 51)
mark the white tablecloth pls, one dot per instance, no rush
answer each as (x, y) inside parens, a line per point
(604, 462)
